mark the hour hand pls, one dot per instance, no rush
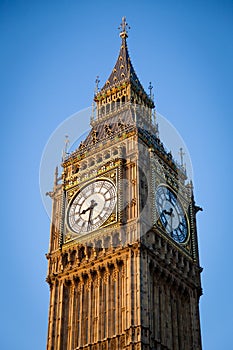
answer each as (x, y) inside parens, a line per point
(85, 210)
(93, 204)
(168, 212)
(89, 219)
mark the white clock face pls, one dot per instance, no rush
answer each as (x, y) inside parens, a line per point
(171, 214)
(92, 206)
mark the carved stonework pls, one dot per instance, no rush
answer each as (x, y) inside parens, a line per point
(113, 344)
(126, 284)
(122, 341)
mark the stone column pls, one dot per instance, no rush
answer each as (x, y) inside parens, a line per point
(81, 288)
(106, 302)
(70, 316)
(52, 320)
(89, 308)
(59, 316)
(117, 297)
(175, 339)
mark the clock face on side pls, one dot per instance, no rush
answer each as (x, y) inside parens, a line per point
(171, 214)
(91, 206)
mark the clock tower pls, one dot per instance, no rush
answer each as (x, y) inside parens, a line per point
(123, 265)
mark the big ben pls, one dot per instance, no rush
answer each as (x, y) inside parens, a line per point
(123, 263)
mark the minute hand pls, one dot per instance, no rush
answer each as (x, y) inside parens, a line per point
(89, 219)
(85, 210)
(90, 214)
(170, 212)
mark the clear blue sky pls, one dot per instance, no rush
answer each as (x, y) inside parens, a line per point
(51, 52)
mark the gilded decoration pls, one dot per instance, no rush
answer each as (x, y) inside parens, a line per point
(106, 279)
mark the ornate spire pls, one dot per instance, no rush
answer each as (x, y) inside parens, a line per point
(123, 71)
(150, 87)
(124, 26)
(123, 84)
(181, 153)
(66, 147)
(97, 81)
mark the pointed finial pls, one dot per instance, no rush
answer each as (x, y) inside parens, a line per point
(65, 150)
(190, 185)
(181, 153)
(93, 112)
(97, 84)
(55, 182)
(124, 27)
(150, 87)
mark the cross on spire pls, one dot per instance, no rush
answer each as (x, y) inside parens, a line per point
(124, 27)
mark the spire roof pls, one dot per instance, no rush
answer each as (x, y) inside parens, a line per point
(123, 72)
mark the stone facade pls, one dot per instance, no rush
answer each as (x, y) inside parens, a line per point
(126, 285)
